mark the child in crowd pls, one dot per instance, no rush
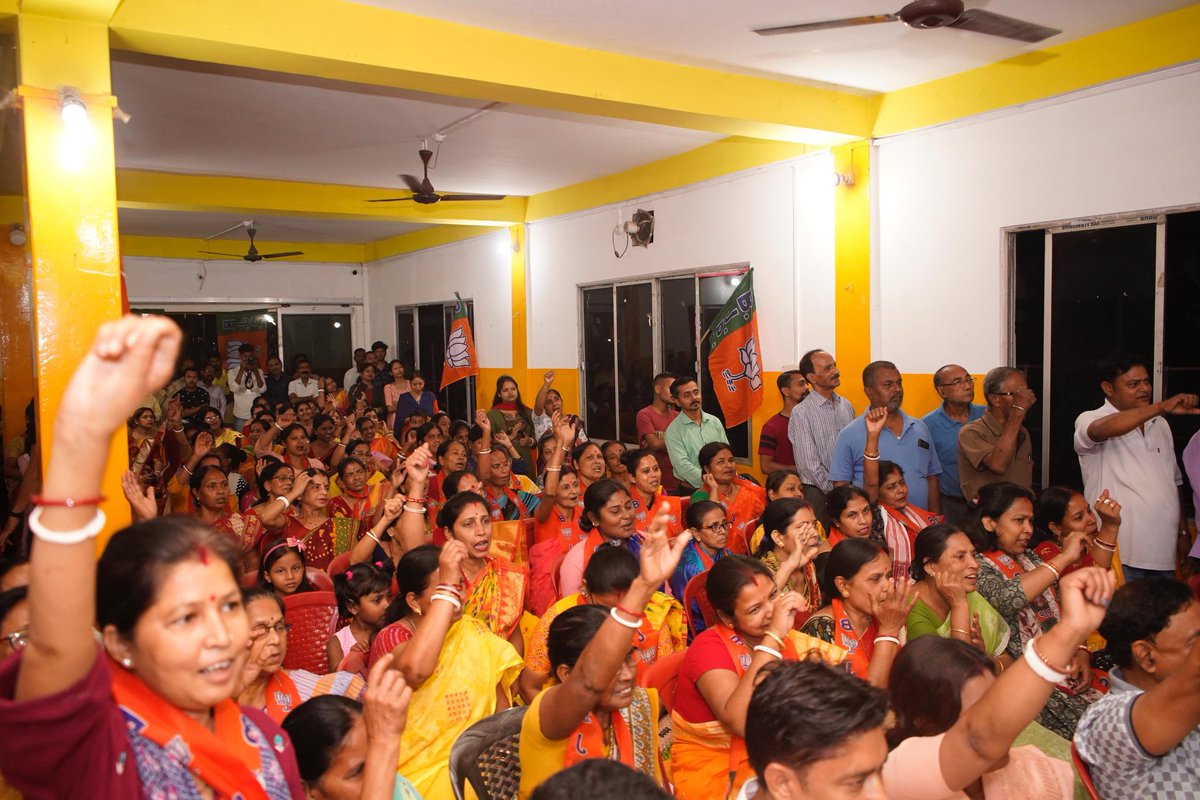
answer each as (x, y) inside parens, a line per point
(283, 569)
(362, 595)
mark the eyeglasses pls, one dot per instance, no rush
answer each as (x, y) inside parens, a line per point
(723, 525)
(17, 639)
(969, 381)
(281, 629)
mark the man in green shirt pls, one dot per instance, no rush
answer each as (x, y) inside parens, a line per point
(690, 431)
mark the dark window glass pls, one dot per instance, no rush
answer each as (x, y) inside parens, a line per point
(635, 354)
(1029, 298)
(324, 338)
(677, 298)
(599, 369)
(1181, 322)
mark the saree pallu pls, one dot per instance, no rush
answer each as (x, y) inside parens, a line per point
(245, 531)
(510, 540)
(460, 692)
(900, 529)
(745, 510)
(497, 596)
(331, 538)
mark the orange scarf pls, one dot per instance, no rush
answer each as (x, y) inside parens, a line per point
(514, 502)
(282, 696)
(559, 526)
(588, 741)
(858, 651)
(222, 758)
(595, 540)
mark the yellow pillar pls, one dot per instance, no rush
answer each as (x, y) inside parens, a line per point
(852, 267)
(71, 191)
(16, 322)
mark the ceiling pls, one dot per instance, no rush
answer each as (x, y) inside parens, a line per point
(211, 119)
(707, 33)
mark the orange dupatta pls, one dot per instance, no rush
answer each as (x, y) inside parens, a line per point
(747, 507)
(224, 758)
(282, 696)
(858, 650)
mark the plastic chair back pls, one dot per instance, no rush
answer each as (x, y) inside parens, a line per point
(340, 563)
(663, 675)
(694, 595)
(313, 617)
(486, 754)
(319, 579)
(1085, 776)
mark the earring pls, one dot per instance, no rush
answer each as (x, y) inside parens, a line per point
(127, 662)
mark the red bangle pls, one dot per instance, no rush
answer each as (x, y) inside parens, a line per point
(633, 614)
(67, 502)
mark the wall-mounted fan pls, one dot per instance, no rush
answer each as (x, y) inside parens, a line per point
(422, 190)
(638, 231)
(252, 255)
(928, 14)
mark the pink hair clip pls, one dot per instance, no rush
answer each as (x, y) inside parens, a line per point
(349, 574)
(295, 543)
(379, 564)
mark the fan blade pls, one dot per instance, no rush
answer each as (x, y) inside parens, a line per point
(281, 255)
(474, 196)
(412, 182)
(389, 199)
(849, 22)
(978, 21)
(228, 255)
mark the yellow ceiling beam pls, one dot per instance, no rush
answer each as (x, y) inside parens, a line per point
(169, 247)
(708, 161)
(420, 240)
(370, 45)
(81, 10)
(250, 196)
(1140, 47)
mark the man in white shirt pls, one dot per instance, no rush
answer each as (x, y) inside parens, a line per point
(1125, 446)
(351, 376)
(305, 386)
(247, 382)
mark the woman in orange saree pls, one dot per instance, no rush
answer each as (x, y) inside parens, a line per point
(743, 500)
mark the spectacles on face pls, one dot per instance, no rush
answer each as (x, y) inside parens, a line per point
(17, 639)
(954, 384)
(281, 630)
(717, 527)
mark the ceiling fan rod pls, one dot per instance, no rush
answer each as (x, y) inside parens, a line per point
(437, 136)
(248, 223)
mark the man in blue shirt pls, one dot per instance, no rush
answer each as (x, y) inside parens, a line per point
(905, 440)
(956, 387)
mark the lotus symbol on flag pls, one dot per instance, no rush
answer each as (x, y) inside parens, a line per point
(457, 352)
(751, 370)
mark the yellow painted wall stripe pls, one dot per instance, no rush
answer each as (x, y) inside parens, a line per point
(421, 240)
(168, 247)
(852, 266)
(1140, 47)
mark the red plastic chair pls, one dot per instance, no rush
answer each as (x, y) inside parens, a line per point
(355, 661)
(320, 580)
(694, 592)
(1194, 583)
(313, 617)
(663, 675)
(684, 502)
(1081, 768)
(339, 564)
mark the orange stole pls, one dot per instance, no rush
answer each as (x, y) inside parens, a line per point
(222, 758)
(497, 596)
(746, 508)
(858, 651)
(282, 696)
(643, 514)
(707, 761)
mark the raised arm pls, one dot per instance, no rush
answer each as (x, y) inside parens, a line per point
(266, 443)
(420, 655)
(364, 548)
(539, 402)
(564, 434)
(412, 526)
(985, 732)
(385, 712)
(483, 461)
(566, 704)
(129, 358)
(875, 418)
(1104, 546)
(1123, 422)
(890, 614)
(1005, 450)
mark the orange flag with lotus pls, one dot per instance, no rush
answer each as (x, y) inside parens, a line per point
(461, 360)
(734, 362)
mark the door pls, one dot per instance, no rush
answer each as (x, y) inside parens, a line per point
(421, 333)
(322, 334)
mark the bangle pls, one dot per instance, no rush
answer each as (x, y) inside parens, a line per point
(633, 626)
(870, 457)
(891, 639)
(89, 531)
(633, 614)
(553, 469)
(771, 651)
(1039, 666)
(999, 666)
(778, 639)
(1019, 408)
(955, 630)
(1106, 545)
(185, 469)
(484, 452)
(1052, 569)
(286, 502)
(66, 502)
(177, 430)
(566, 449)
(451, 599)
(448, 587)
(414, 509)
(1084, 648)
(378, 541)
(277, 426)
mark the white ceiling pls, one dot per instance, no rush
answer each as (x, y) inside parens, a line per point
(264, 125)
(717, 33)
(201, 225)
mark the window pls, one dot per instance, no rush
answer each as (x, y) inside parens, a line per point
(632, 331)
(421, 346)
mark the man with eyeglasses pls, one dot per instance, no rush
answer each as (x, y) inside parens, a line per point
(1125, 446)
(956, 387)
(996, 447)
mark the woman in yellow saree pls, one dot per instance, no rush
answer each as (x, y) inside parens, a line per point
(596, 710)
(461, 672)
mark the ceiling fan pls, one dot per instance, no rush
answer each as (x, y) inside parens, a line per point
(927, 14)
(422, 190)
(252, 255)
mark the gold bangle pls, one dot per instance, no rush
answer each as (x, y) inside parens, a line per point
(960, 630)
(775, 636)
(1053, 569)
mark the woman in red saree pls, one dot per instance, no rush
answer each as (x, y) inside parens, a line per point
(147, 449)
(295, 450)
(358, 501)
(595, 710)
(175, 680)
(742, 499)
(323, 536)
(494, 589)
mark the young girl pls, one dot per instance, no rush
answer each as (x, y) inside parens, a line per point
(362, 595)
(283, 569)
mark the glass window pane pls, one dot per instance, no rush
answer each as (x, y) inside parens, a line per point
(635, 354)
(406, 339)
(324, 338)
(1181, 322)
(599, 374)
(677, 298)
(714, 291)
(1029, 300)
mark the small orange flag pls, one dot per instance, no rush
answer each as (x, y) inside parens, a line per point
(734, 361)
(461, 360)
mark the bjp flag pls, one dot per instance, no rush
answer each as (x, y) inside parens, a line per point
(461, 360)
(733, 357)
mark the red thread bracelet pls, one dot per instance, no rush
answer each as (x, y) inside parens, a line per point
(633, 614)
(67, 502)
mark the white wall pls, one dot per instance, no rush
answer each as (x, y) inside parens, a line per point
(191, 280)
(946, 193)
(779, 219)
(480, 269)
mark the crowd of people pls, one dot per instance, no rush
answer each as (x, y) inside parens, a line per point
(893, 612)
